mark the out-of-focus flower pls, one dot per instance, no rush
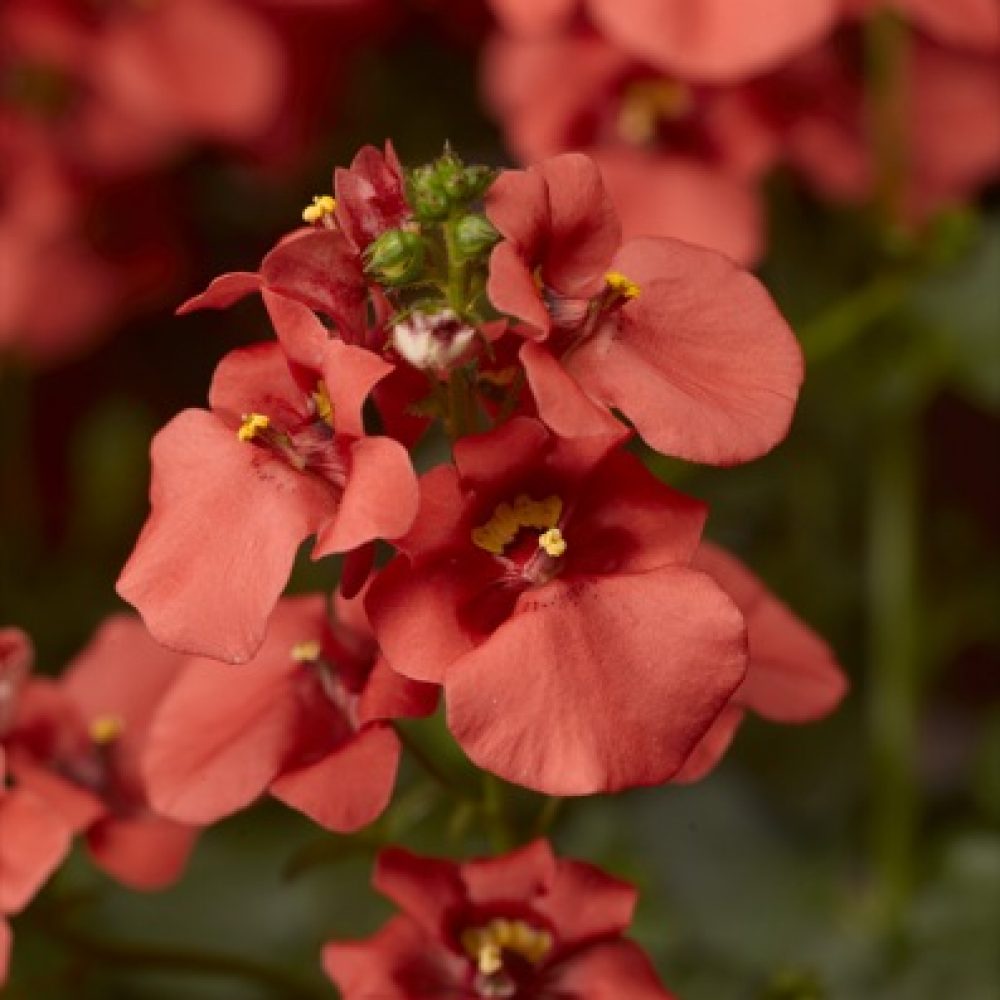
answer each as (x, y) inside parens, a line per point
(304, 720)
(270, 464)
(76, 743)
(523, 925)
(792, 675)
(689, 347)
(547, 587)
(34, 842)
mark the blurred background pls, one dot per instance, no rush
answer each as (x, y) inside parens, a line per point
(146, 148)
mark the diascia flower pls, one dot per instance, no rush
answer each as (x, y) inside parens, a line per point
(236, 489)
(546, 586)
(75, 744)
(525, 926)
(688, 346)
(700, 39)
(304, 720)
(679, 159)
(792, 675)
(35, 840)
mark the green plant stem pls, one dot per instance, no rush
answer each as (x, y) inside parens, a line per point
(182, 960)
(547, 815)
(894, 606)
(843, 323)
(427, 764)
(457, 268)
(887, 53)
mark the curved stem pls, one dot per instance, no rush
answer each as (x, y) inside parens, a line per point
(427, 764)
(183, 960)
(894, 690)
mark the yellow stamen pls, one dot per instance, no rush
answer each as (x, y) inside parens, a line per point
(321, 400)
(624, 286)
(647, 103)
(508, 519)
(307, 651)
(253, 424)
(106, 729)
(552, 542)
(322, 206)
(486, 945)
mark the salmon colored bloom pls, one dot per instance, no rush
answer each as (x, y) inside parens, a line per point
(696, 39)
(792, 675)
(75, 744)
(305, 719)
(546, 585)
(689, 347)
(35, 840)
(526, 926)
(237, 489)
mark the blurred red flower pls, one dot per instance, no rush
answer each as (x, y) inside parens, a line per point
(76, 743)
(525, 924)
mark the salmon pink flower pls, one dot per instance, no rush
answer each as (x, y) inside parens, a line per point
(524, 925)
(689, 347)
(792, 675)
(236, 490)
(546, 586)
(697, 39)
(35, 840)
(75, 744)
(304, 720)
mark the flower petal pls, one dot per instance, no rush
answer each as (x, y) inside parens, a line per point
(227, 518)
(610, 970)
(350, 787)
(141, 852)
(544, 701)
(702, 362)
(34, 842)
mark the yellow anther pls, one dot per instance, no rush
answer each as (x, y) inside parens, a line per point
(307, 651)
(646, 104)
(624, 286)
(321, 400)
(253, 424)
(322, 206)
(106, 729)
(508, 519)
(552, 542)
(486, 945)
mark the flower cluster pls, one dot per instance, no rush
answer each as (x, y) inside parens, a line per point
(557, 596)
(688, 106)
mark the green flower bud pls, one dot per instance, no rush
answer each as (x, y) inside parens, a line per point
(475, 235)
(427, 195)
(396, 257)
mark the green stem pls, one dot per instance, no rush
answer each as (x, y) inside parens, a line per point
(887, 50)
(893, 527)
(431, 769)
(547, 815)
(457, 268)
(838, 327)
(183, 961)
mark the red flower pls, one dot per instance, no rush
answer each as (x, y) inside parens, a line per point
(370, 196)
(689, 347)
(524, 925)
(549, 591)
(304, 720)
(35, 840)
(678, 159)
(792, 675)
(697, 39)
(237, 489)
(75, 743)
